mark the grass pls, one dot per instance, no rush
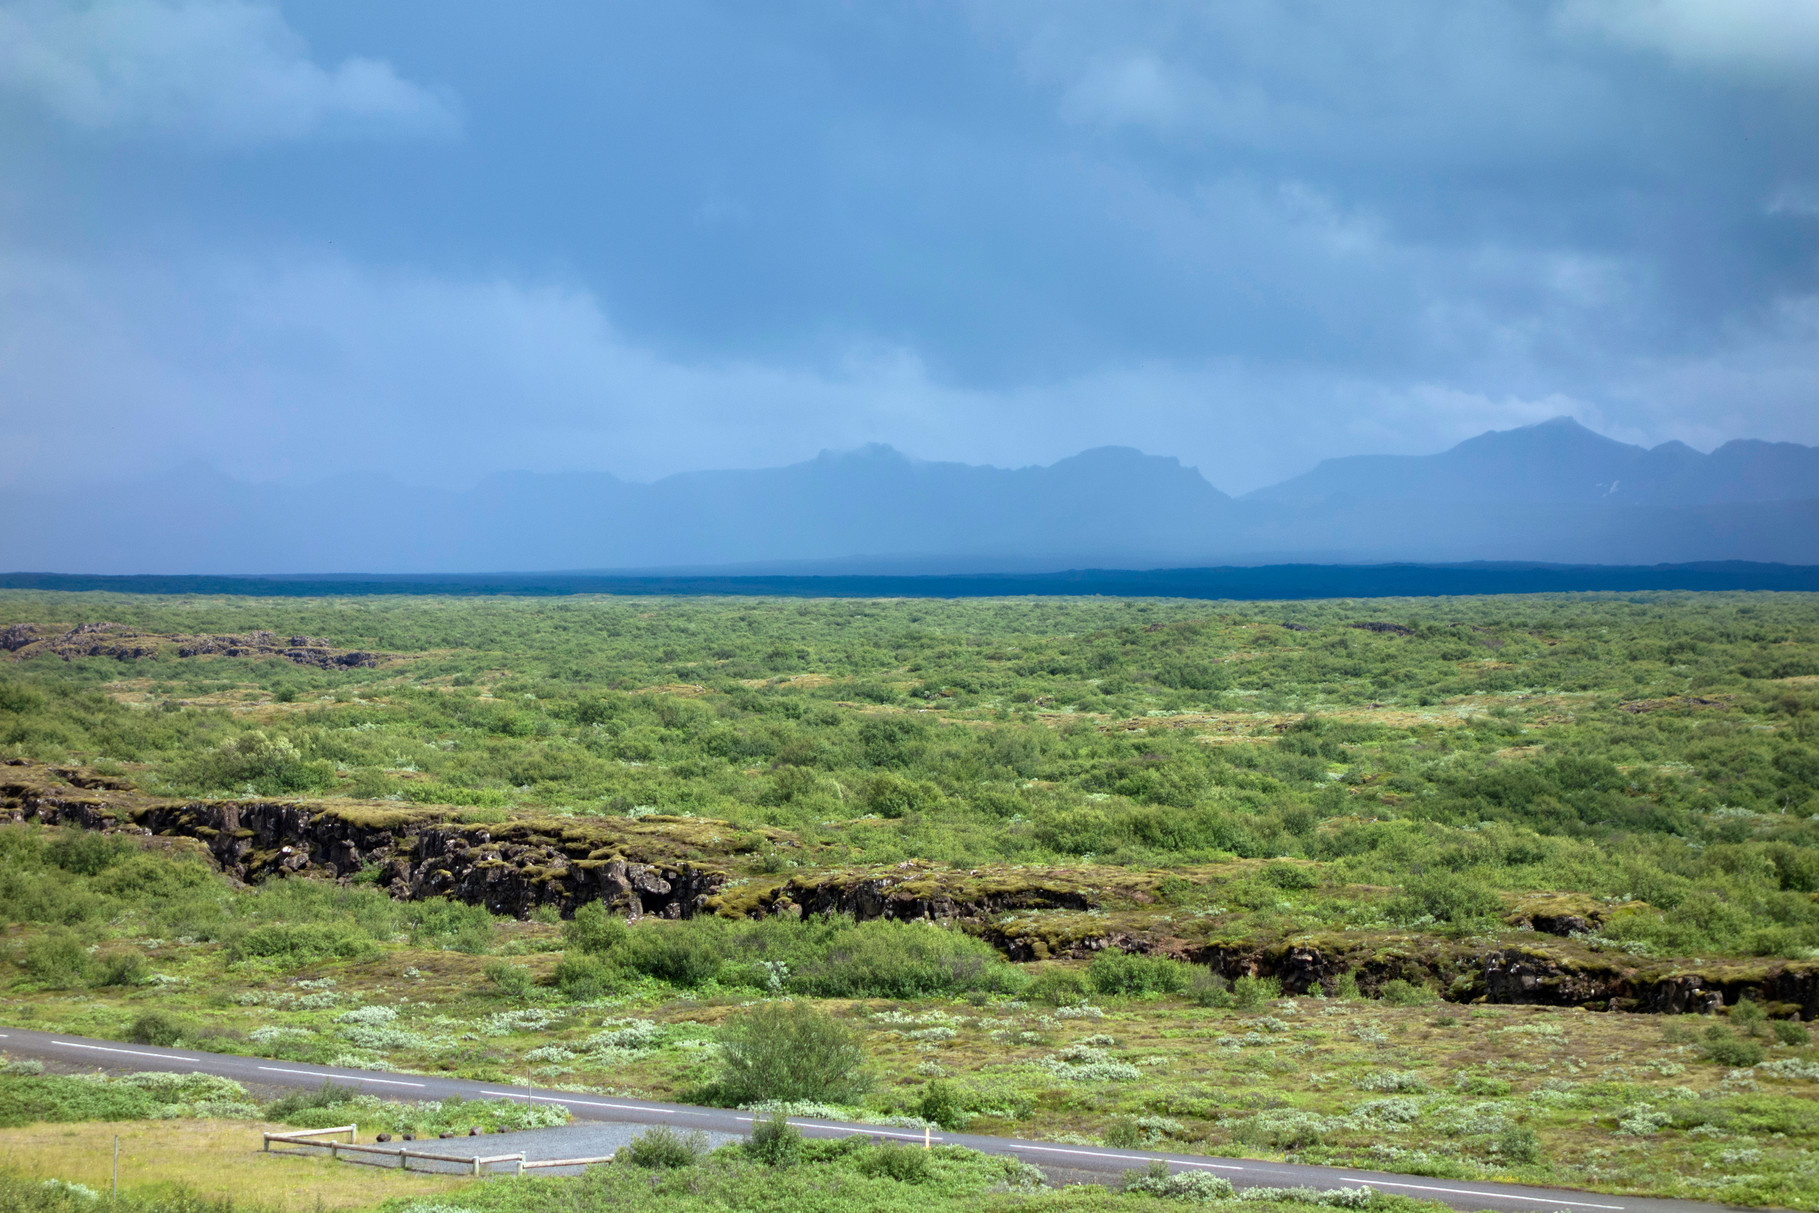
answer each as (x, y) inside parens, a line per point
(218, 1159)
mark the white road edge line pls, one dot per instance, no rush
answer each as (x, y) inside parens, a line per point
(1217, 1166)
(873, 1132)
(878, 1132)
(585, 1103)
(1540, 1200)
(71, 1044)
(390, 1082)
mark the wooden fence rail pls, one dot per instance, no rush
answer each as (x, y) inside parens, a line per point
(563, 1162)
(404, 1154)
(296, 1136)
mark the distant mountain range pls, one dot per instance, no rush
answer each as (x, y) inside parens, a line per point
(1549, 492)
(1560, 462)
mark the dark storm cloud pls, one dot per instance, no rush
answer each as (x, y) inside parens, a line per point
(645, 238)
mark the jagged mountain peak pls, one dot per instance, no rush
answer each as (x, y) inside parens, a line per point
(1558, 462)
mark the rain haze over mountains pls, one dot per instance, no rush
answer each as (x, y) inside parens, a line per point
(1552, 492)
(407, 288)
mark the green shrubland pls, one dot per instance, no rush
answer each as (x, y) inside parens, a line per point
(1658, 749)
(1131, 781)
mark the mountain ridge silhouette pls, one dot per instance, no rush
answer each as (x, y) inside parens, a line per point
(1551, 492)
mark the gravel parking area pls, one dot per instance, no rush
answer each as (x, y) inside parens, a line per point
(585, 1139)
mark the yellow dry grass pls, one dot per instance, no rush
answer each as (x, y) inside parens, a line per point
(215, 1157)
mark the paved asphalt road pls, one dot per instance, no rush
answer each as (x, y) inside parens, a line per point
(606, 1123)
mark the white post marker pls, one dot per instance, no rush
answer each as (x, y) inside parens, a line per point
(116, 1166)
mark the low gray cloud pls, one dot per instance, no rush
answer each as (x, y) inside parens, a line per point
(1746, 38)
(705, 235)
(221, 71)
(311, 365)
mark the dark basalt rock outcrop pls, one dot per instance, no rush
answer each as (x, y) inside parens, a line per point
(1558, 973)
(652, 868)
(910, 892)
(1533, 977)
(303, 650)
(1565, 914)
(26, 640)
(511, 869)
(515, 877)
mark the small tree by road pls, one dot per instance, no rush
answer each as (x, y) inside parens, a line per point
(789, 1051)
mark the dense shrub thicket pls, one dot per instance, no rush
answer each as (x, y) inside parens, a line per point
(830, 957)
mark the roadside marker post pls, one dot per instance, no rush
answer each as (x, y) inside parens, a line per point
(116, 1166)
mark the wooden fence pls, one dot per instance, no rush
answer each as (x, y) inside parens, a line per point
(478, 1162)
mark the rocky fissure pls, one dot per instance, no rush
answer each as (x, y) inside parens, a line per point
(27, 640)
(512, 869)
(519, 866)
(911, 893)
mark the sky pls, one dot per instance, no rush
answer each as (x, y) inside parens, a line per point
(437, 241)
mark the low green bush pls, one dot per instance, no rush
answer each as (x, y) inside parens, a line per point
(56, 959)
(684, 958)
(1058, 987)
(1447, 897)
(1749, 1018)
(455, 926)
(270, 766)
(905, 1164)
(943, 1104)
(294, 944)
(328, 1095)
(1114, 972)
(594, 929)
(120, 967)
(789, 1051)
(1207, 989)
(882, 959)
(513, 981)
(1518, 1144)
(1200, 1187)
(775, 1142)
(87, 852)
(824, 957)
(1399, 993)
(584, 977)
(1124, 1134)
(31, 1099)
(891, 795)
(157, 1028)
(1249, 993)
(662, 1148)
(1724, 1048)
